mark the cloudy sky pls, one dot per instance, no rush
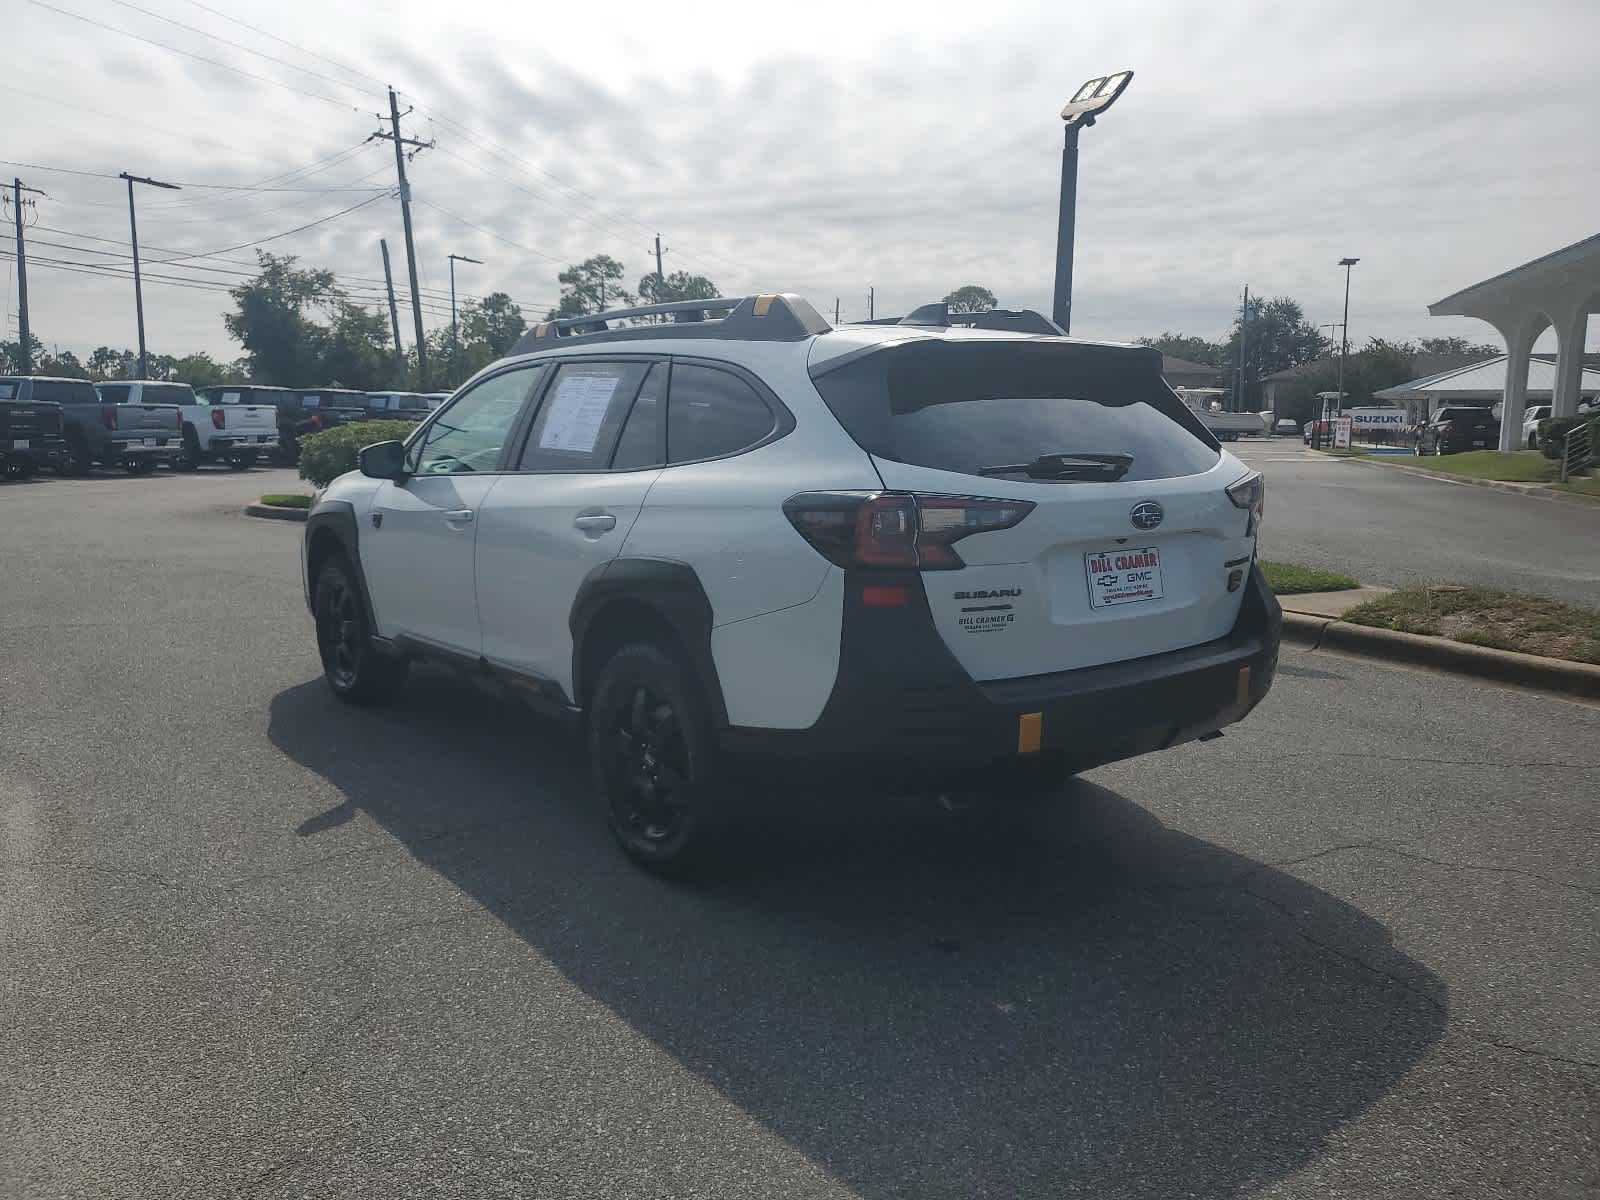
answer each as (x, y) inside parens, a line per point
(821, 148)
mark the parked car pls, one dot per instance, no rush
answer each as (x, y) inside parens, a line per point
(298, 413)
(1286, 427)
(30, 434)
(401, 405)
(1530, 424)
(751, 538)
(137, 437)
(1458, 428)
(225, 431)
(1308, 431)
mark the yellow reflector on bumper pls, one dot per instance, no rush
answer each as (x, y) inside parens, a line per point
(1030, 728)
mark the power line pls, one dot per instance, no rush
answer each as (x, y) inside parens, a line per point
(488, 232)
(237, 45)
(286, 42)
(215, 187)
(275, 236)
(197, 57)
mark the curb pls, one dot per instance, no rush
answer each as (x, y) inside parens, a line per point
(270, 512)
(1542, 491)
(1461, 658)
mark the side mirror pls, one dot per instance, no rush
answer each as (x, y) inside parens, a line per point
(384, 460)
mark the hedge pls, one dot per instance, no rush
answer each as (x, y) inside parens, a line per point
(1553, 433)
(327, 455)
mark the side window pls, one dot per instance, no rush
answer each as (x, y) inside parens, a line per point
(711, 413)
(468, 436)
(640, 443)
(583, 409)
(113, 393)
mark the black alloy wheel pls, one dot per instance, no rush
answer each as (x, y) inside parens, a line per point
(655, 762)
(355, 671)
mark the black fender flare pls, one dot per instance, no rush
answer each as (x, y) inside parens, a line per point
(673, 592)
(336, 519)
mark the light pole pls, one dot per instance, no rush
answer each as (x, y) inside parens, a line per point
(455, 346)
(1344, 328)
(1088, 102)
(138, 283)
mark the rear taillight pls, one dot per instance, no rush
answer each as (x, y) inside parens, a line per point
(316, 420)
(906, 530)
(219, 419)
(108, 416)
(1250, 493)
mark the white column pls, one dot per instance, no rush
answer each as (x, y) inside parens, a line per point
(1519, 348)
(1570, 330)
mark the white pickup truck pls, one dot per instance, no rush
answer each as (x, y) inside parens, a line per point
(214, 430)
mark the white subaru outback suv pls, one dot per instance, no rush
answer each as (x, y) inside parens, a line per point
(731, 533)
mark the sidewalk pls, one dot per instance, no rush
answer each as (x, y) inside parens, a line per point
(1330, 604)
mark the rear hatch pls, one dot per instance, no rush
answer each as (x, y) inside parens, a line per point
(1473, 428)
(1132, 540)
(146, 424)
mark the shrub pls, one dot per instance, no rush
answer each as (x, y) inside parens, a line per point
(327, 455)
(1553, 433)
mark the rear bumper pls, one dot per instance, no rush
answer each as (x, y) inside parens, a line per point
(169, 446)
(901, 698)
(40, 452)
(239, 443)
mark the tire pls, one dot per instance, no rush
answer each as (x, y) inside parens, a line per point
(356, 671)
(189, 459)
(657, 767)
(77, 462)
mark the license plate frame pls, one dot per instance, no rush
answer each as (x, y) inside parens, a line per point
(1123, 575)
(149, 443)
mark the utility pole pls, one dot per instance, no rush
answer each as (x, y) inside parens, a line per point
(394, 313)
(455, 344)
(1344, 333)
(1238, 374)
(400, 143)
(25, 336)
(138, 283)
(872, 302)
(661, 278)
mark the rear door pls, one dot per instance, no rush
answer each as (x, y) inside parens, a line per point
(588, 459)
(1122, 556)
(1473, 429)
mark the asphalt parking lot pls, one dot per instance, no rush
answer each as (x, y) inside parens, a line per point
(253, 943)
(1396, 529)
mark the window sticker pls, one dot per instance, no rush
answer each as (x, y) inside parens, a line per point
(577, 411)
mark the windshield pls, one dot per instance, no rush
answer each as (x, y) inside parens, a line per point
(1033, 410)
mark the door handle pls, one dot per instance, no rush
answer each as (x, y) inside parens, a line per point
(595, 523)
(459, 516)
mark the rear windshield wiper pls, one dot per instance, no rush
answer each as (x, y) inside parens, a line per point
(1107, 467)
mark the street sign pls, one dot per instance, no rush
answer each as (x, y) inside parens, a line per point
(1341, 432)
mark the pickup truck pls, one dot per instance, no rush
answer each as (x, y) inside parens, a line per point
(299, 413)
(30, 435)
(401, 406)
(221, 431)
(137, 437)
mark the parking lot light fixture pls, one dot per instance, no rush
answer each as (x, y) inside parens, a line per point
(1344, 330)
(1091, 99)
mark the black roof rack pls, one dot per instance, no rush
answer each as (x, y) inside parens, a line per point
(939, 316)
(777, 317)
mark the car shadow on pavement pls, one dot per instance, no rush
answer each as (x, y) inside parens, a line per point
(1081, 1001)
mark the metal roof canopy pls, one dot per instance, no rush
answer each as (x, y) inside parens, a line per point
(1559, 289)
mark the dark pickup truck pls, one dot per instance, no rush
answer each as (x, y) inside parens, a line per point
(301, 412)
(30, 435)
(137, 437)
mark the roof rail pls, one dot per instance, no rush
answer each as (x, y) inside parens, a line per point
(939, 316)
(777, 317)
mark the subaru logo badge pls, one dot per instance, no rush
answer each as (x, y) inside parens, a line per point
(1146, 514)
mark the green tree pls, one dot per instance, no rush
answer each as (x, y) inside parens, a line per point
(590, 286)
(106, 363)
(201, 370)
(355, 349)
(970, 299)
(1276, 336)
(63, 363)
(494, 323)
(680, 285)
(11, 354)
(273, 321)
(1458, 345)
(1194, 349)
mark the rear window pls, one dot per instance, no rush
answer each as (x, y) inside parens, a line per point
(167, 393)
(971, 407)
(65, 391)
